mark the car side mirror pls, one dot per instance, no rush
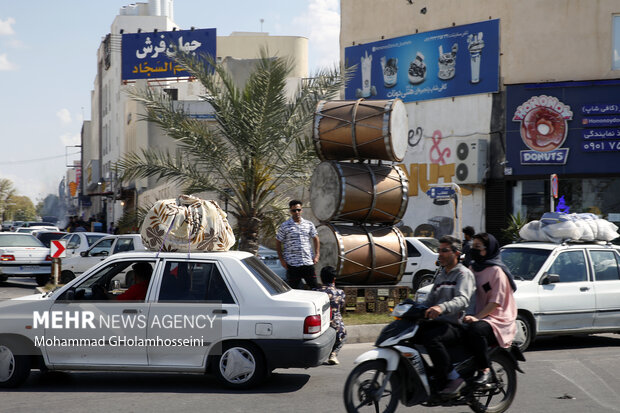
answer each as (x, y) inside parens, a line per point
(550, 279)
(84, 253)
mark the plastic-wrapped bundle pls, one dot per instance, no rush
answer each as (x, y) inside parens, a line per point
(187, 224)
(558, 227)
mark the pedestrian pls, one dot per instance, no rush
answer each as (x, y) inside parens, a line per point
(468, 233)
(447, 303)
(496, 310)
(295, 240)
(337, 303)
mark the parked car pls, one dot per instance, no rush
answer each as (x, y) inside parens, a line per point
(22, 255)
(422, 253)
(270, 259)
(223, 313)
(6, 225)
(81, 241)
(29, 230)
(99, 251)
(47, 236)
(569, 288)
(15, 225)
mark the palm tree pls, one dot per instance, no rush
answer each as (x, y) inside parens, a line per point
(258, 151)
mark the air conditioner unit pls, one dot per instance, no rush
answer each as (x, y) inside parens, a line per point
(470, 161)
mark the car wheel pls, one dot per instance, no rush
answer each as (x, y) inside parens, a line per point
(240, 366)
(42, 279)
(422, 280)
(14, 369)
(525, 333)
(66, 276)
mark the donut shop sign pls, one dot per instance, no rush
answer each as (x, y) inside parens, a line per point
(543, 130)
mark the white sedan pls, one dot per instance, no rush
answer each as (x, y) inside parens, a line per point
(223, 313)
(22, 255)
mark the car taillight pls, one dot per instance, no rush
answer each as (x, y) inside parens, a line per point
(312, 324)
(48, 258)
(7, 257)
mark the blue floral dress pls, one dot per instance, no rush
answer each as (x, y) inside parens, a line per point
(337, 303)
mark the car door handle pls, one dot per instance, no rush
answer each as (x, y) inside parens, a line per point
(220, 312)
(584, 289)
(130, 311)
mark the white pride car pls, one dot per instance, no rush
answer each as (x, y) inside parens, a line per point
(223, 313)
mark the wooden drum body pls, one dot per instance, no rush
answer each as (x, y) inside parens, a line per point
(342, 191)
(363, 255)
(362, 129)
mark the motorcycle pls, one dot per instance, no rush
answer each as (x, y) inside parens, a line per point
(396, 370)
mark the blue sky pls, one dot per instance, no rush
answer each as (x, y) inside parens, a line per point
(48, 64)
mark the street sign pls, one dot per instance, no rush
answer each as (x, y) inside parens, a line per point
(58, 248)
(554, 185)
(440, 193)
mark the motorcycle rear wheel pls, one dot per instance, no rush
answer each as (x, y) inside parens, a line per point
(503, 389)
(363, 381)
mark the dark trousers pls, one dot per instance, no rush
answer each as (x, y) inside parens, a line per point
(295, 274)
(479, 336)
(435, 336)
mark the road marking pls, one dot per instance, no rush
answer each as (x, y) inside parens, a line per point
(590, 383)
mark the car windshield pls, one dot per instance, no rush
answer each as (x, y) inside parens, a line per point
(91, 239)
(47, 237)
(524, 263)
(18, 240)
(430, 243)
(272, 283)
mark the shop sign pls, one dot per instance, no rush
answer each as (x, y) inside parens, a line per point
(453, 61)
(543, 129)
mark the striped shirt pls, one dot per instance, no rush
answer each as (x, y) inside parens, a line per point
(296, 241)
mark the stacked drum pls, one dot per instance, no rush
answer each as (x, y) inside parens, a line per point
(357, 196)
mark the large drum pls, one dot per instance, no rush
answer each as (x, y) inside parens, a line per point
(362, 129)
(363, 255)
(342, 191)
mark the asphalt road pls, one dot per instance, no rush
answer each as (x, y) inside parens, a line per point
(562, 375)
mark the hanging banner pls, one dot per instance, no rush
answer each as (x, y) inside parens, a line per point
(455, 61)
(151, 55)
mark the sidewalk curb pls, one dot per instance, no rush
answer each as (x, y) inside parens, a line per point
(363, 333)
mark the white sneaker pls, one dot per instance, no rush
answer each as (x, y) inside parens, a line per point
(333, 360)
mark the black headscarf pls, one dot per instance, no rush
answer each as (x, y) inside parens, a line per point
(492, 258)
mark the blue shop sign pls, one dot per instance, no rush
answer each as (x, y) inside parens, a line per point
(455, 61)
(151, 55)
(563, 128)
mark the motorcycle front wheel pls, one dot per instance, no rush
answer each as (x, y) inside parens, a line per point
(362, 385)
(501, 389)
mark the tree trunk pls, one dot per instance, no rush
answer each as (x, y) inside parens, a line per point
(248, 234)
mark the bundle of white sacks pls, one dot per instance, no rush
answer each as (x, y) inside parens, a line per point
(558, 227)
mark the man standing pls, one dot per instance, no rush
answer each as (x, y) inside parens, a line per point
(294, 242)
(468, 233)
(447, 302)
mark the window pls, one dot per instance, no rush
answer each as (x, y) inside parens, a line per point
(106, 284)
(524, 263)
(570, 266)
(74, 242)
(272, 283)
(605, 265)
(412, 251)
(101, 248)
(123, 244)
(193, 281)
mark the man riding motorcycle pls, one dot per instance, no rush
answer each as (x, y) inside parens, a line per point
(450, 296)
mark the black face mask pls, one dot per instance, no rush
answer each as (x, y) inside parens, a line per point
(475, 255)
